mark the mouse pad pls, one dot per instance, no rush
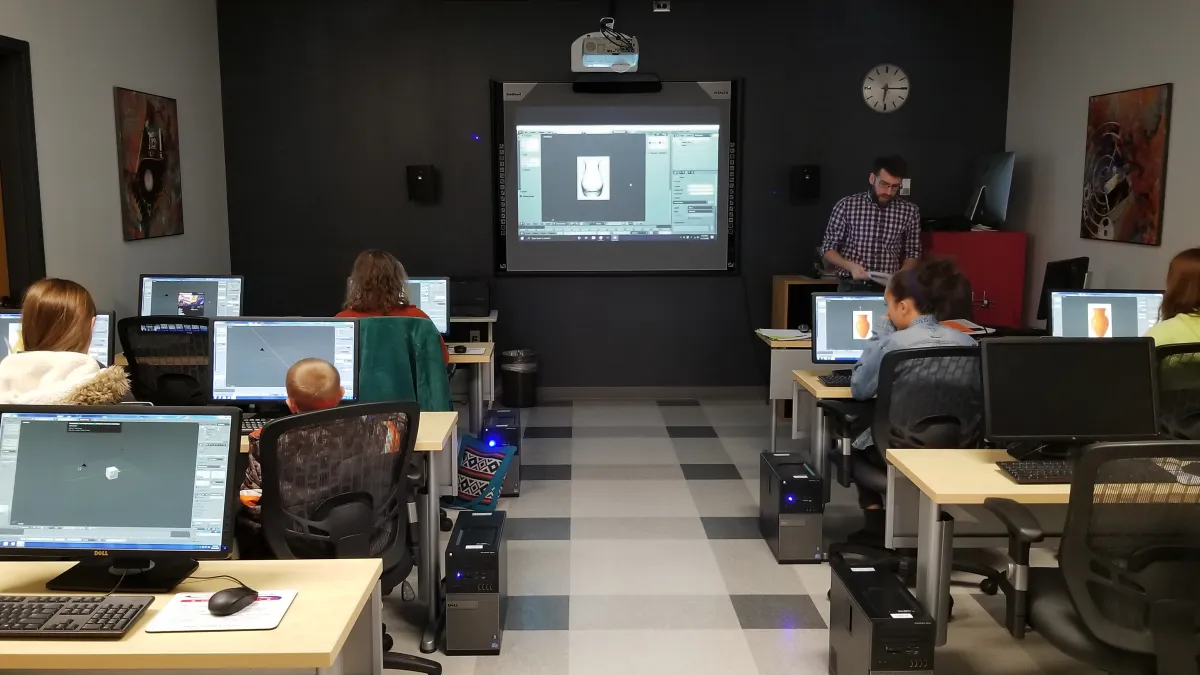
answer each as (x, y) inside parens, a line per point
(188, 613)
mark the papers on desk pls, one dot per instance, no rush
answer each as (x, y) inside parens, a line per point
(968, 327)
(477, 351)
(188, 613)
(784, 334)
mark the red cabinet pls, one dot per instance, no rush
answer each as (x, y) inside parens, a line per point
(995, 264)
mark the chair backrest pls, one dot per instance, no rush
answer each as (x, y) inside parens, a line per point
(334, 484)
(169, 358)
(400, 359)
(1130, 549)
(1179, 390)
(929, 398)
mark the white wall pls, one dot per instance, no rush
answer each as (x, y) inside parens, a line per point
(1064, 51)
(80, 50)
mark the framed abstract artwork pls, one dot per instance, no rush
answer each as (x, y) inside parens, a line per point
(1125, 165)
(151, 187)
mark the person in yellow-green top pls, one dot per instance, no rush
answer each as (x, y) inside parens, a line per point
(1179, 316)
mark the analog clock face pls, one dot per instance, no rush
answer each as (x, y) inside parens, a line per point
(885, 88)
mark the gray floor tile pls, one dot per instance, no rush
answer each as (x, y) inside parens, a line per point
(548, 432)
(516, 529)
(657, 652)
(735, 412)
(748, 568)
(679, 403)
(545, 451)
(683, 417)
(529, 652)
(616, 416)
(789, 652)
(722, 498)
(691, 432)
(539, 568)
(545, 471)
(777, 612)
(547, 417)
(731, 528)
(627, 472)
(700, 451)
(711, 472)
(652, 528)
(538, 612)
(746, 430)
(540, 499)
(632, 499)
(555, 404)
(664, 612)
(644, 568)
(622, 451)
(657, 431)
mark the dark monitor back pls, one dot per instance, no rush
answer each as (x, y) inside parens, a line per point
(1069, 389)
(1061, 275)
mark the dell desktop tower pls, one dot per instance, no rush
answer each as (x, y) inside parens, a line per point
(876, 626)
(790, 507)
(476, 584)
(501, 427)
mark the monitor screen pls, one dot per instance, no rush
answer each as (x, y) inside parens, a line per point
(432, 297)
(1102, 314)
(166, 295)
(842, 324)
(1051, 389)
(99, 349)
(114, 481)
(251, 357)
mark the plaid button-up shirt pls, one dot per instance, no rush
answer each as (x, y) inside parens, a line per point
(879, 239)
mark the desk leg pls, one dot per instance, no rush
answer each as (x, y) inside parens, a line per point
(934, 545)
(816, 448)
(429, 573)
(774, 423)
(795, 410)
(476, 414)
(362, 654)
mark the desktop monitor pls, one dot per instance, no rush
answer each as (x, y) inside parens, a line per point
(1071, 390)
(251, 357)
(1061, 275)
(178, 295)
(432, 296)
(842, 324)
(991, 183)
(136, 494)
(1103, 314)
(101, 347)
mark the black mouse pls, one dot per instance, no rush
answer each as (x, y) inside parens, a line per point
(231, 600)
(460, 349)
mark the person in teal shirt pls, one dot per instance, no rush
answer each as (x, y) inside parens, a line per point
(1179, 316)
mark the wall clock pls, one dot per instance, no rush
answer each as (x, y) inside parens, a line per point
(885, 88)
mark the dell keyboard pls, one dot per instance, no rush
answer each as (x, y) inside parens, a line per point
(253, 424)
(837, 380)
(66, 616)
(1059, 471)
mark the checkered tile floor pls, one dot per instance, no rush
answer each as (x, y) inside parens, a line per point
(634, 549)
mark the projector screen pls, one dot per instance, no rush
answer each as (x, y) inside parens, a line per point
(593, 183)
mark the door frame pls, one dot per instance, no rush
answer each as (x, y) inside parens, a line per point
(19, 168)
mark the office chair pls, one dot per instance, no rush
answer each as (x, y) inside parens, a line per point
(1179, 390)
(927, 398)
(169, 359)
(1124, 597)
(335, 486)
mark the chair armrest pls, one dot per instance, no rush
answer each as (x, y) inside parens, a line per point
(848, 412)
(1017, 519)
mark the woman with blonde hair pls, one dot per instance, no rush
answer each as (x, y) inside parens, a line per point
(52, 365)
(378, 286)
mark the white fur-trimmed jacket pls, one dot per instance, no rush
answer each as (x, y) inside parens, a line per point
(60, 378)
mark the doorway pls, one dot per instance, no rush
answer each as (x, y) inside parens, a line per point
(22, 253)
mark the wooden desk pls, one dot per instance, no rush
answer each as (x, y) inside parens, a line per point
(786, 356)
(806, 381)
(434, 430)
(483, 379)
(120, 360)
(333, 626)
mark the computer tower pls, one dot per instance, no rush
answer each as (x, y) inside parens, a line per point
(476, 584)
(502, 426)
(790, 507)
(876, 626)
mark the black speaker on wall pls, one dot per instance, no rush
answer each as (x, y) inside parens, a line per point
(805, 183)
(422, 184)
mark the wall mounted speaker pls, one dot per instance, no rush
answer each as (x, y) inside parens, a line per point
(422, 184)
(805, 183)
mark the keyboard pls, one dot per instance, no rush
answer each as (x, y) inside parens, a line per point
(253, 424)
(64, 616)
(1058, 472)
(834, 380)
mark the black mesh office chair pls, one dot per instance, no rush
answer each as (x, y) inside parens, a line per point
(1179, 390)
(335, 486)
(169, 360)
(1124, 596)
(927, 398)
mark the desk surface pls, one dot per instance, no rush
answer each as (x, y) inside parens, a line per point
(332, 594)
(963, 477)
(432, 433)
(808, 380)
(785, 344)
(488, 349)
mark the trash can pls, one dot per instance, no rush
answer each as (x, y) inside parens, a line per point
(518, 372)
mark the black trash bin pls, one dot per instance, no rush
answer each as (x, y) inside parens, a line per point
(518, 375)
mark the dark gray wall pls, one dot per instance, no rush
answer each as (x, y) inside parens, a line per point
(326, 102)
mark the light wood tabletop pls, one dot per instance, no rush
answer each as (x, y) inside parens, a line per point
(785, 344)
(963, 477)
(808, 380)
(331, 595)
(432, 433)
(488, 348)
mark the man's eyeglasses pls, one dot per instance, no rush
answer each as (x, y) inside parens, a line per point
(890, 187)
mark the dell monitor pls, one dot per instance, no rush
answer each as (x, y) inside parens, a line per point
(101, 347)
(1103, 314)
(177, 295)
(251, 357)
(432, 296)
(136, 494)
(842, 324)
(1069, 390)
(1061, 275)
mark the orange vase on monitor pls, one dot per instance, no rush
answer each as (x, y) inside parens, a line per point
(1099, 321)
(862, 326)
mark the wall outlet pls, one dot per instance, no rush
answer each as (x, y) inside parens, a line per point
(905, 186)
(474, 336)
(662, 5)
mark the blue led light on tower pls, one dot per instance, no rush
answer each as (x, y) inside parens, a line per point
(501, 427)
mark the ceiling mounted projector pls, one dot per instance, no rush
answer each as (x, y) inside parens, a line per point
(604, 50)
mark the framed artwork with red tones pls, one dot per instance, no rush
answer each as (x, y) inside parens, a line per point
(148, 162)
(1125, 165)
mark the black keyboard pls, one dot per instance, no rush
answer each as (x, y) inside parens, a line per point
(252, 424)
(834, 380)
(66, 616)
(1058, 471)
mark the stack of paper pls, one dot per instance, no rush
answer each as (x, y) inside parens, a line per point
(784, 334)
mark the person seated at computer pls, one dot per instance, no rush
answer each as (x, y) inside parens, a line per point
(1179, 314)
(914, 297)
(52, 365)
(379, 287)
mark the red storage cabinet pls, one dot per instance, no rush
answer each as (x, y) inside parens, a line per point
(995, 264)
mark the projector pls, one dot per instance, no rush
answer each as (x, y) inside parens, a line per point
(604, 50)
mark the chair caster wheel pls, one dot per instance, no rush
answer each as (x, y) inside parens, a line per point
(829, 595)
(989, 586)
(447, 524)
(407, 594)
(387, 641)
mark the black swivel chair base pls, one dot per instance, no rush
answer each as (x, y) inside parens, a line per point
(406, 662)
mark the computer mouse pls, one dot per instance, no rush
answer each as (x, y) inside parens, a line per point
(460, 349)
(1189, 474)
(231, 600)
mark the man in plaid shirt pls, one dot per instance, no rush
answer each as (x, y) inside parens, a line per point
(874, 231)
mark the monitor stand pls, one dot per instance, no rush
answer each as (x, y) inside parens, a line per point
(1025, 451)
(127, 575)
